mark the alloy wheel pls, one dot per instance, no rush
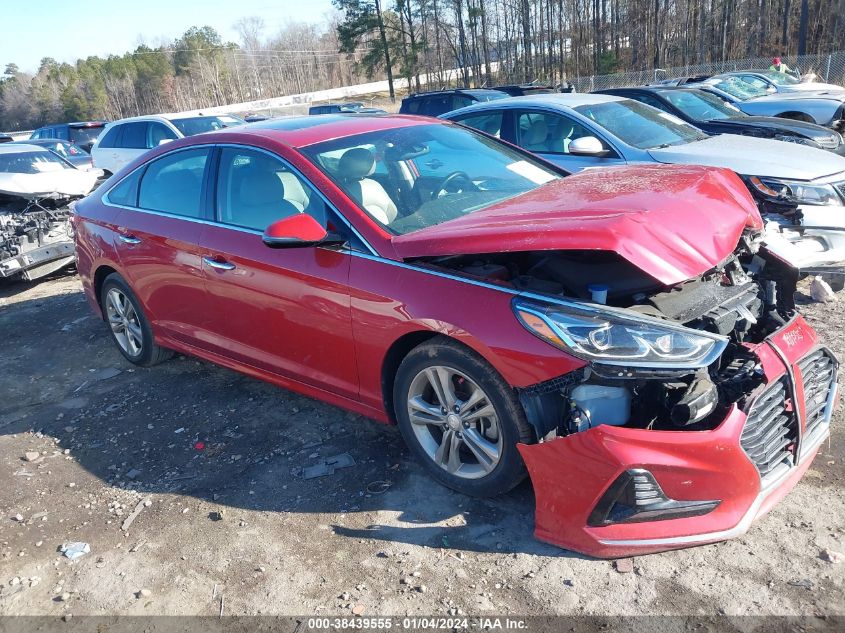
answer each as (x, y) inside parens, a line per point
(454, 422)
(124, 322)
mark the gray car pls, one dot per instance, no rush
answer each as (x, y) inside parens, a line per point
(822, 108)
(580, 131)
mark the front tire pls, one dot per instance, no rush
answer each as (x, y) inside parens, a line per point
(129, 326)
(460, 419)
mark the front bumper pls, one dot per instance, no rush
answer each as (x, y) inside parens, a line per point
(812, 250)
(572, 474)
(39, 261)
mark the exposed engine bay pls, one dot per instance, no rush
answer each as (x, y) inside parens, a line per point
(36, 237)
(745, 298)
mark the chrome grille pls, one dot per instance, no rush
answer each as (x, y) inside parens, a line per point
(770, 432)
(818, 371)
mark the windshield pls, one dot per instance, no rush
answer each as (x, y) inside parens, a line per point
(780, 79)
(200, 124)
(739, 89)
(639, 125)
(701, 106)
(85, 135)
(411, 178)
(31, 163)
(491, 95)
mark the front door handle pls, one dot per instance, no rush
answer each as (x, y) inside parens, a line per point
(216, 263)
(129, 239)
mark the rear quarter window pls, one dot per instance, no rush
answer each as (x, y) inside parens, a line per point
(134, 135)
(112, 137)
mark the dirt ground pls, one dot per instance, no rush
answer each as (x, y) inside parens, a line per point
(229, 517)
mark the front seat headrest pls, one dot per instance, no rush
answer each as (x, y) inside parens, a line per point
(356, 163)
(262, 187)
(536, 132)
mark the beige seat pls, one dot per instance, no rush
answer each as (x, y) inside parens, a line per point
(261, 200)
(294, 191)
(354, 167)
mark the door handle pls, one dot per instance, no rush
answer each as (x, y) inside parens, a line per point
(215, 263)
(129, 239)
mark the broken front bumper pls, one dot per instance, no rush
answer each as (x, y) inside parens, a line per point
(39, 261)
(736, 472)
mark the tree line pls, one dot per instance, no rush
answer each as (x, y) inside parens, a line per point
(484, 42)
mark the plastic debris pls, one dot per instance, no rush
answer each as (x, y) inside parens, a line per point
(328, 465)
(75, 550)
(821, 291)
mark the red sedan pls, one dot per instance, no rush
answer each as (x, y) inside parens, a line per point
(623, 336)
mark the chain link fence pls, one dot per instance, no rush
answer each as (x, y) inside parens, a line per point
(828, 67)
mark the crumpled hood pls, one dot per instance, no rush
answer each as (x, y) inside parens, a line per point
(754, 157)
(67, 182)
(673, 223)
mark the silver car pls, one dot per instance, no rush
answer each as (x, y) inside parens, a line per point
(822, 108)
(773, 81)
(580, 131)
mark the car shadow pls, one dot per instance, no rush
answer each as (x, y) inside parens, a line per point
(191, 428)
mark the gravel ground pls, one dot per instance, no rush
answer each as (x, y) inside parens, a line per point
(209, 463)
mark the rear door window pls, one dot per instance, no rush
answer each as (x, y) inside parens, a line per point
(173, 183)
(112, 137)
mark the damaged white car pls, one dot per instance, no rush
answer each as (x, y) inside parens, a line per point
(37, 188)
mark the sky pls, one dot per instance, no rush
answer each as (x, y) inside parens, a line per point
(67, 30)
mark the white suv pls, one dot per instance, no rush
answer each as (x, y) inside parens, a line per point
(123, 141)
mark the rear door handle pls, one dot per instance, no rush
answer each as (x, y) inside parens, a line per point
(216, 263)
(129, 239)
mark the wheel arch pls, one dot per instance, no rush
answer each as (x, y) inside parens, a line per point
(99, 278)
(796, 116)
(402, 346)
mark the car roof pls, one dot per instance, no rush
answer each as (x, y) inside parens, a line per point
(170, 117)
(560, 100)
(76, 124)
(301, 131)
(479, 92)
(16, 148)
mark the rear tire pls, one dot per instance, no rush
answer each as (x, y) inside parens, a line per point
(130, 329)
(460, 419)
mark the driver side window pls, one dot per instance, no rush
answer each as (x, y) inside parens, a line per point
(255, 189)
(547, 133)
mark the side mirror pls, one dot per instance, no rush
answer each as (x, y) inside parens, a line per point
(297, 231)
(587, 146)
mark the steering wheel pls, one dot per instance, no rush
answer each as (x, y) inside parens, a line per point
(448, 180)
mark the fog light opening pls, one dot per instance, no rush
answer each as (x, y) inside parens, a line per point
(636, 497)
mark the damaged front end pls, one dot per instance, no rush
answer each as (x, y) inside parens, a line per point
(810, 237)
(36, 237)
(699, 404)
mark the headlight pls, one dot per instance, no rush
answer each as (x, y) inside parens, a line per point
(793, 191)
(612, 337)
(800, 140)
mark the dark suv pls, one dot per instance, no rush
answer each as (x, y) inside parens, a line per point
(443, 101)
(81, 133)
